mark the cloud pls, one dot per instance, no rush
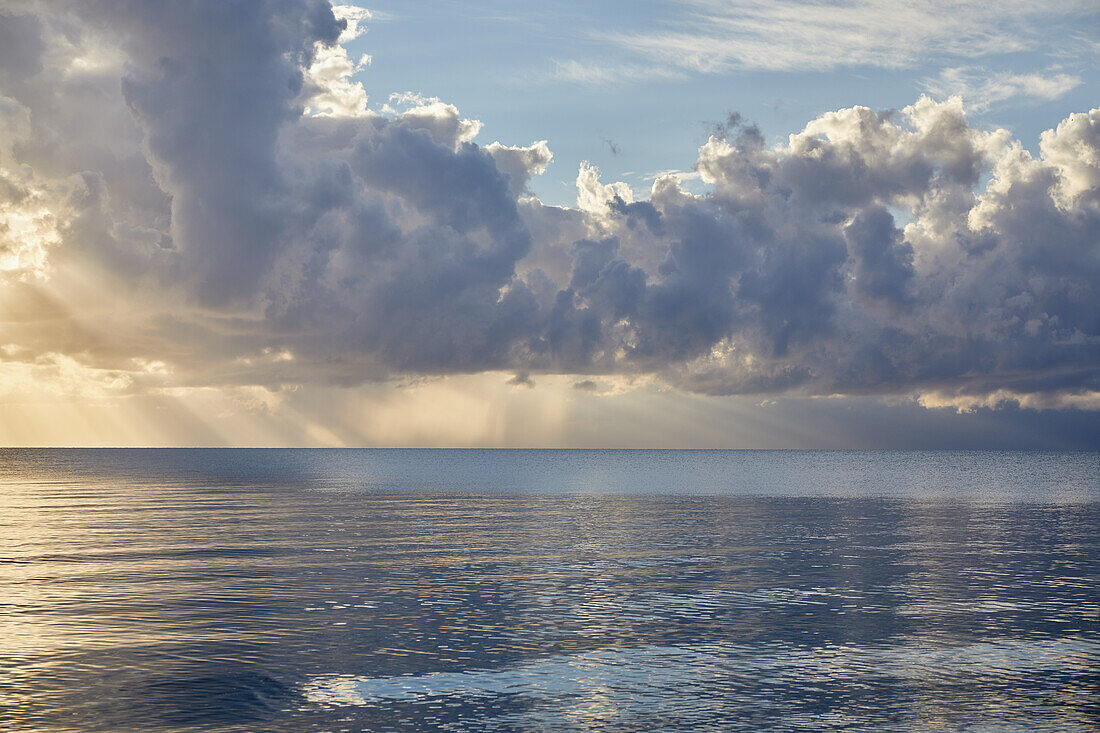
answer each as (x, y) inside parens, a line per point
(328, 79)
(1073, 148)
(596, 197)
(519, 164)
(28, 227)
(521, 379)
(982, 89)
(711, 36)
(600, 74)
(968, 403)
(441, 120)
(213, 195)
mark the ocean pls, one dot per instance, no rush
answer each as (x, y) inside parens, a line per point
(516, 590)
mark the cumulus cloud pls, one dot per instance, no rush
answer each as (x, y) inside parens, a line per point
(441, 120)
(595, 197)
(204, 188)
(330, 89)
(519, 163)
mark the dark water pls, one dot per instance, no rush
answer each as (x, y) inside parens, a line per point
(547, 591)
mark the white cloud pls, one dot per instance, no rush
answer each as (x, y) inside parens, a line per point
(521, 163)
(28, 230)
(593, 196)
(608, 73)
(331, 91)
(793, 35)
(440, 119)
(1074, 149)
(981, 89)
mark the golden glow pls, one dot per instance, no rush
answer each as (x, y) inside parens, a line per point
(60, 402)
(69, 377)
(27, 232)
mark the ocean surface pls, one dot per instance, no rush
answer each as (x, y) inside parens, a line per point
(421, 590)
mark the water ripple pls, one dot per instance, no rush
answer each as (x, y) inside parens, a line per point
(291, 591)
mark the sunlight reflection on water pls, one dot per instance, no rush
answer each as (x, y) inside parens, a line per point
(252, 590)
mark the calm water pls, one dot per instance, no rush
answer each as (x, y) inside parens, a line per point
(549, 591)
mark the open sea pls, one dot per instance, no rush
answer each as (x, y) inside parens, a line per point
(516, 590)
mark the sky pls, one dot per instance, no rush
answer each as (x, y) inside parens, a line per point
(694, 224)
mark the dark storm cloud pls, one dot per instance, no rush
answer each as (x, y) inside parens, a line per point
(20, 46)
(210, 85)
(882, 261)
(864, 256)
(522, 379)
